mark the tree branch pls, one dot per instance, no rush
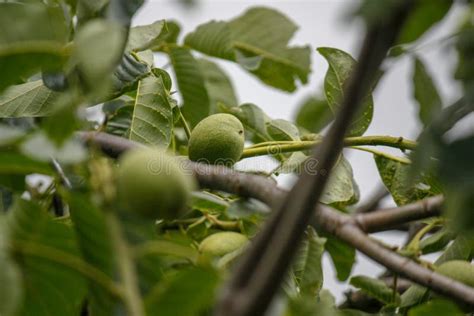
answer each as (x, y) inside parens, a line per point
(327, 219)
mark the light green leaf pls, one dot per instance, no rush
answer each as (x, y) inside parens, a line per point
(143, 37)
(314, 114)
(29, 99)
(308, 268)
(306, 305)
(294, 163)
(97, 51)
(375, 288)
(152, 121)
(261, 49)
(341, 65)
(253, 119)
(208, 202)
(32, 39)
(425, 93)
(187, 292)
(218, 84)
(436, 241)
(197, 104)
(436, 308)
(396, 177)
(341, 189)
(282, 130)
(47, 254)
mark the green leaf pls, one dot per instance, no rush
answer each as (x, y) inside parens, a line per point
(314, 114)
(218, 84)
(436, 307)
(143, 37)
(424, 15)
(261, 49)
(253, 119)
(11, 291)
(197, 103)
(152, 121)
(122, 11)
(127, 74)
(375, 288)
(281, 130)
(96, 248)
(89, 9)
(343, 256)
(464, 45)
(47, 254)
(97, 51)
(425, 93)
(119, 123)
(341, 189)
(436, 241)
(32, 39)
(308, 268)
(187, 292)
(396, 177)
(208, 202)
(16, 163)
(306, 305)
(341, 65)
(29, 99)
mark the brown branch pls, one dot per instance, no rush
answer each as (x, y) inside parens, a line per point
(380, 220)
(339, 224)
(374, 201)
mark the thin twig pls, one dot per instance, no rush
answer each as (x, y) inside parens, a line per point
(374, 201)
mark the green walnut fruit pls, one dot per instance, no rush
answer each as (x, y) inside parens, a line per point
(217, 140)
(459, 270)
(153, 183)
(220, 244)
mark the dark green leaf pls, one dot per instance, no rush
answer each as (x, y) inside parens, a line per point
(341, 65)
(208, 202)
(261, 49)
(15, 163)
(314, 114)
(425, 93)
(197, 104)
(247, 208)
(343, 256)
(282, 130)
(187, 292)
(152, 120)
(47, 255)
(437, 241)
(375, 288)
(36, 42)
(95, 245)
(253, 119)
(465, 48)
(127, 74)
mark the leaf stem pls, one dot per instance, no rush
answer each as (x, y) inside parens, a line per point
(187, 130)
(132, 298)
(278, 147)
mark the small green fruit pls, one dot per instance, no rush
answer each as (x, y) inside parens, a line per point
(219, 244)
(152, 183)
(459, 270)
(217, 140)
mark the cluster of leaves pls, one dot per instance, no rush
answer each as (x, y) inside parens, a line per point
(58, 250)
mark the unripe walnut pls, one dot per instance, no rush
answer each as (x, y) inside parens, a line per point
(459, 270)
(151, 183)
(217, 139)
(220, 244)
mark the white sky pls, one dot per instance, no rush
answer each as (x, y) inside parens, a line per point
(322, 24)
